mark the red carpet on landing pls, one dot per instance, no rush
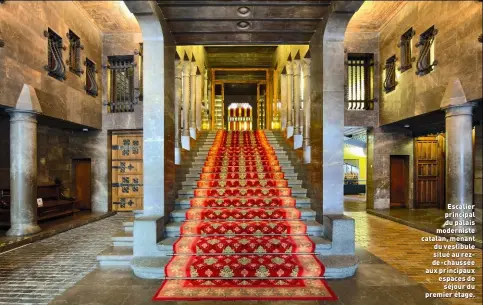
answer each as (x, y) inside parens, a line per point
(243, 238)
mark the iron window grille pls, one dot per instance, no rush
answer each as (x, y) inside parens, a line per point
(91, 79)
(75, 48)
(426, 62)
(390, 77)
(405, 49)
(360, 81)
(55, 66)
(122, 97)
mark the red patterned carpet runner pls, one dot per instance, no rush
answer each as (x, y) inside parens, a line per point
(243, 238)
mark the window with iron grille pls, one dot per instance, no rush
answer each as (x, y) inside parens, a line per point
(75, 48)
(122, 97)
(390, 74)
(426, 62)
(405, 48)
(55, 66)
(360, 81)
(91, 81)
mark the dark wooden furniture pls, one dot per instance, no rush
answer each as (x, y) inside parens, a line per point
(53, 204)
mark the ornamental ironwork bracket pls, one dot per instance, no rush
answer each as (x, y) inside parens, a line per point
(424, 64)
(390, 80)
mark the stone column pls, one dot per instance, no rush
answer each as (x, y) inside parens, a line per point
(199, 96)
(289, 68)
(306, 136)
(297, 69)
(283, 98)
(327, 108)
(459, 155)
(23, 164)
(192, 109)
(204, 116)
(178, 64)
(185, 138)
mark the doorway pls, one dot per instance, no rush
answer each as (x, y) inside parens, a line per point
(399, 183)
(429, 171)
(82, 182)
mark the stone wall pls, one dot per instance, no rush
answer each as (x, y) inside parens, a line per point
(382, 142)
(364, 42)
(456, 49)
(57, 148)
(24, 56)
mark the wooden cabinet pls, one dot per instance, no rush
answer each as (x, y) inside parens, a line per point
(127, 171)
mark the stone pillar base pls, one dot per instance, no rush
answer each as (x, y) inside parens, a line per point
(193, 133)
(289, 132)
(297, 141)
(307, 154)
(185, 142)
(177, 155)
(23, 229)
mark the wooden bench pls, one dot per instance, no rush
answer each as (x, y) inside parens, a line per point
(53, 204)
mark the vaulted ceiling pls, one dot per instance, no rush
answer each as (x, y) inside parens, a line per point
(243, 22)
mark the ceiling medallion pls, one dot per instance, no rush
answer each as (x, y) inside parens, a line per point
(243, 11)
(243, 25)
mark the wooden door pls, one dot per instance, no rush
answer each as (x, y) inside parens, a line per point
(127, 172)
(399, 169)
(429, 167)
(82, 172)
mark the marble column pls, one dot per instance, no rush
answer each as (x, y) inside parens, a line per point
(297, 69)
(185, 137)
(283, 98)
(23, 164)
(199, 97)
(178, 64)
(306, 135)
(289, 68)
(459, 155)
(192, 109)
(204, 116)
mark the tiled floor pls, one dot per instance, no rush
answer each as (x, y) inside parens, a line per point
(61, 270)
(49, 228)
(40, 271)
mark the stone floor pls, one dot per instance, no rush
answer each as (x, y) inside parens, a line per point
(49, 228)
(38, 272)
(61, 270)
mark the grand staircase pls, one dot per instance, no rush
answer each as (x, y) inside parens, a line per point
(339, 261)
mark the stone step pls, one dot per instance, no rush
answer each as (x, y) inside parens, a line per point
(149, 267)
(115, 256)
(336, 266)
(321, 244)
(184, 202)
(196, 175)
(192, 182)
(283, 163)
(281, 158)
(287, 172)
(128, 226)
(189, 192)
(314, 228)
(180, 215)
(122, 239)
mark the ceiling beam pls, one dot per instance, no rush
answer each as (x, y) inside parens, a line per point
(193, 19)
(178, 3)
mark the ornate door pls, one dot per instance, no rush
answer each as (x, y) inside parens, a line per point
(127, 172)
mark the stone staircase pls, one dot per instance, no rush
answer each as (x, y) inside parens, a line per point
(338, 258)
